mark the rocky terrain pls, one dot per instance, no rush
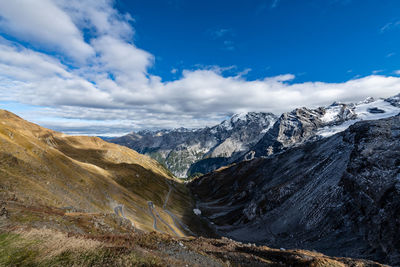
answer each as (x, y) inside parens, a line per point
(245, 136)
(79, 201)
(54, 237)
(339, 195)
(304, 124)
(186, 152)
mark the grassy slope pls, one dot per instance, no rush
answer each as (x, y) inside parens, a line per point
(86, 240)
(40, 166)
(57, 199)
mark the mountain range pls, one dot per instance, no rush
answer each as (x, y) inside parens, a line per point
(338, 195)
(244, 136)
(186, 152)
(80, 201)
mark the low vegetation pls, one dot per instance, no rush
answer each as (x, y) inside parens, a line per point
(80, 201)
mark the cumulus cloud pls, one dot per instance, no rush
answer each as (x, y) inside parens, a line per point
(98, 16)
(111, 90)
(43, 23)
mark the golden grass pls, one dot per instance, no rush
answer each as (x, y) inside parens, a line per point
(54, 243)
(41, 166)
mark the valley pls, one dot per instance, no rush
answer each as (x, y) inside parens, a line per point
(199, 133)
(335, 193)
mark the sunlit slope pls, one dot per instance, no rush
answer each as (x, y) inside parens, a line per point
(39, 166)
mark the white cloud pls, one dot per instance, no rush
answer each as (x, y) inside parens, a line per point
(98, 16)
(377, 71)
(124, 60)
(219, 33)
(114, 93)
(390, 26)
(397, 72)
(43, 23)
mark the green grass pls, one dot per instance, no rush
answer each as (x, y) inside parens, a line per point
(102, 257)
(16, 251)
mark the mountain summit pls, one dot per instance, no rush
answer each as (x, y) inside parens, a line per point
(80, 201)
(186, 152)
(339, 195)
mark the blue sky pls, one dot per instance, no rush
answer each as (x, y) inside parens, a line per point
(103, 67)
(330, 41)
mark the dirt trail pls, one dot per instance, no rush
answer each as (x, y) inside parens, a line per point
(119, 211)
(151, 207)
(177, 222)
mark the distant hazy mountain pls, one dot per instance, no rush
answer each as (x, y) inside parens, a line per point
(185, 152)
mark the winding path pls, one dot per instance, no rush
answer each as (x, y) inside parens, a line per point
(119, 210)
(182, 227)
(151, 207)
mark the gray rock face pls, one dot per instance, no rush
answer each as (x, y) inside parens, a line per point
(394, 100)
(185, 152)
(339, 195)
(303, 124)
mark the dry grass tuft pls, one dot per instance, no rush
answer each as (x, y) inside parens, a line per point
(54, 243)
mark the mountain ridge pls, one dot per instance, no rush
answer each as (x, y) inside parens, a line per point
(41, 166)
(338, 195)
(177, 150)
(73, 200)
(180, 148)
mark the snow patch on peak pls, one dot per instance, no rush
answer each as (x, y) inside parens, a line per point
(367, 101)
(239, 117)
(226, 124)
(331, 113)
(366, 110)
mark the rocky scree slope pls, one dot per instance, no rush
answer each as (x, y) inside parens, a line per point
(304, 124)
(79, 201)
(186, 152)
(339, 195)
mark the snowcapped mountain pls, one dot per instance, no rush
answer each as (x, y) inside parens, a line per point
(303, 124)
(339, 195)
(187, 151)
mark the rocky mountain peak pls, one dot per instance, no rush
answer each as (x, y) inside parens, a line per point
(181, 149)
(303, 124)
(339, 195)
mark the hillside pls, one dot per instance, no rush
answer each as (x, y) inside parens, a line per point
(80, 201)
(86, 174)
(339, 195)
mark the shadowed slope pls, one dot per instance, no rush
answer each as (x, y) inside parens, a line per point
(78, 173)
(339, 195)
(63, 202)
